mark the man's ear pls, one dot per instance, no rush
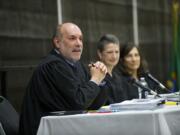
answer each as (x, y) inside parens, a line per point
(56, 42)
(99, 54)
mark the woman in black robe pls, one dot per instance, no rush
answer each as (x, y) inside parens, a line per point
(132, 65)
(108, 49)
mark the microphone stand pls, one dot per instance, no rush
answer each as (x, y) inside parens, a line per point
(137, 84)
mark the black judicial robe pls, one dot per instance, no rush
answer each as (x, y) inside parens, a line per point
(56, 85)
(118, 91)
(132, 91)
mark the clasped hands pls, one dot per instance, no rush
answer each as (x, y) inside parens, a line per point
(98, 71)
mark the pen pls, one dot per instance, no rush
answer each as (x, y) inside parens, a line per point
(92, 64)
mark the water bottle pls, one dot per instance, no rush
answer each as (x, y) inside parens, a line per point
(144, 93)
(140, 92)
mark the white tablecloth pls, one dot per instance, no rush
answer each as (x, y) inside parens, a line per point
(165, 121)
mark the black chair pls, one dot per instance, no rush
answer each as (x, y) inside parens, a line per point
(9, 118)
(2, 130)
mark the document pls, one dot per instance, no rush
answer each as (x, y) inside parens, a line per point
(138, 104)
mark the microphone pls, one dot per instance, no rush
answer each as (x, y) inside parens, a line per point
(156, 81)
(138, 84)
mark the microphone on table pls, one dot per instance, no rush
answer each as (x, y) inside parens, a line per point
(138, 84)
(156, 81)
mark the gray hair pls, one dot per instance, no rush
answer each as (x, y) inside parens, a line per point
(106, 39)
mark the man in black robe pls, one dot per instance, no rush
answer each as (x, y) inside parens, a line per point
(61, 83)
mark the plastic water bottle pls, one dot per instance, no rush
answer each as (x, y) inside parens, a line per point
(140, 92)
(144, 94)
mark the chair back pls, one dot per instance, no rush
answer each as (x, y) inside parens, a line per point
(9, 118)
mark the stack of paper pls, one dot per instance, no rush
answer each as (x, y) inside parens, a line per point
(169, 96)
(137, 104)
(172, 96)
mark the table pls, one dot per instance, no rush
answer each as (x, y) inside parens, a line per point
(164, 121)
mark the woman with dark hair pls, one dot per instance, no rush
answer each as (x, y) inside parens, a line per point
(133, 66)
(131, 61)
(108, 49)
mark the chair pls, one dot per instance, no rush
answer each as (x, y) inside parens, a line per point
(2, 130)
(9, 118)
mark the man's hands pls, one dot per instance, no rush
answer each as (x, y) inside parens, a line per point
(98, 71)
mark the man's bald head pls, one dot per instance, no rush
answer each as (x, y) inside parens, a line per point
(66, 27)
(68, 41)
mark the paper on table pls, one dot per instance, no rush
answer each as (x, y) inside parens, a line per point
(137, 104)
